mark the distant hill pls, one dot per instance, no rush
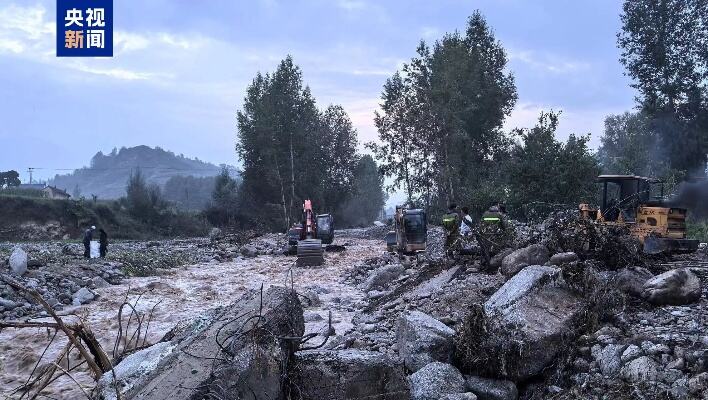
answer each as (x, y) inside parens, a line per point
(107, 174)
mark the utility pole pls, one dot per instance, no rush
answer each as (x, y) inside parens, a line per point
(30, 170)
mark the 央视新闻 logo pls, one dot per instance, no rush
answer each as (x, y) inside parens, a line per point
(84, 28)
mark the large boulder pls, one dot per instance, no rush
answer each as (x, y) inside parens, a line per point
(523, 323)
(632, 280)
(382, 277)
(242, 350)
(675, 287)
(348, 374)
(422, 339)
(435, 381)
(536, 254)
(18, 261)
(491, 389)
(460, 396)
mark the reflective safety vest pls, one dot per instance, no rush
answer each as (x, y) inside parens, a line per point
(451, 222)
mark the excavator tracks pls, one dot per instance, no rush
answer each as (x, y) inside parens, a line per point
(310, 253)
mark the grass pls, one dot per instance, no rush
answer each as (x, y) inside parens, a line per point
(697, 230)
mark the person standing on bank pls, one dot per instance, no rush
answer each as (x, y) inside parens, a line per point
(88, 236)
(103, 241)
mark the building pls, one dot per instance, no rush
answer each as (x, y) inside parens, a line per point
(52, 192)
(31, 186)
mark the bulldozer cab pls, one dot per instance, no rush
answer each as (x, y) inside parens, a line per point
(623, 194)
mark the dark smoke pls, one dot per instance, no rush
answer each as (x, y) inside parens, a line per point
(694, 197)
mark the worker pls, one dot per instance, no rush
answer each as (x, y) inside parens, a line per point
(88, 236)
(451, 224)
(467, 223)
(103, 241)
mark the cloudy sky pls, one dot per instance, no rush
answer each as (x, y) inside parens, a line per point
(181, 67)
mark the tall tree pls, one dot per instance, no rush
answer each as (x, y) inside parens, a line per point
(290, 150)
(440, 126)
(9, 179)
(368, 194)
(542, 169)
(664, 48)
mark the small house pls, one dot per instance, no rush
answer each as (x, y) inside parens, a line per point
(53, 192)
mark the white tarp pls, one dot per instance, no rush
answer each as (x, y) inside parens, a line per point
(95, 253)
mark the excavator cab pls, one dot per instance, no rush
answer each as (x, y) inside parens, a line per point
(410, 236)
(325, 228)
(638, 203)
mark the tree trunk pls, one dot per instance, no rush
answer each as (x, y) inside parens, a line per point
(292, 174)
(282, 194)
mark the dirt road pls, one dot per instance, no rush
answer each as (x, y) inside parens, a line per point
(184, 294)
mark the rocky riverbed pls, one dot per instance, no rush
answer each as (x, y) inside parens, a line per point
(555, 319)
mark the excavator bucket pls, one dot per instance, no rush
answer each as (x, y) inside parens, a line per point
(310, 253)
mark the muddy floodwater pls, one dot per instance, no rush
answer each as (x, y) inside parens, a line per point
(183, 294)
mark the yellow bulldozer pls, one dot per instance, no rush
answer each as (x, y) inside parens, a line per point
(638, 203)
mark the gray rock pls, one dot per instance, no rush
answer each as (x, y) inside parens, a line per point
(382, 277)
(536, 254)
(524, 282)
(18, 261)
(436, 380)
(630, 353)
(8, 304)
(98, 282)
(310, 298)
(422, 339)
(496, 261)
(675, 287)
(632, 280)
(698, 384)
(642, 369)
(348, 374)
(533, 312)
(563, 258)
(249, 251)
(460, 396)
(491, 389)
(82, 296)
(608, 358)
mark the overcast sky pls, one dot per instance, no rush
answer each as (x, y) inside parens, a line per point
(181, 67)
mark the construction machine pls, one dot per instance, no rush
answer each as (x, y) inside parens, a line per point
(306, 238)
(410, 234)
(638, 203)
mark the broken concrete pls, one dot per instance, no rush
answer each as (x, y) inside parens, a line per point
(242, 352)
(347, 374)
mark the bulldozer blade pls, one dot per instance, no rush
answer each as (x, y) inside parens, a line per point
(310, 253)
(654, 245)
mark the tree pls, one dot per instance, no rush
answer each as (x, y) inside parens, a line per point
(369, 196)
(440, 126)
(664, 46)
(340, 158)
(143, 200)
(545, 170)
(76, 194)
(224, 200)
(290, 150)
(9, 179)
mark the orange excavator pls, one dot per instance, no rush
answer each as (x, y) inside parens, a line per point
(307, 237)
